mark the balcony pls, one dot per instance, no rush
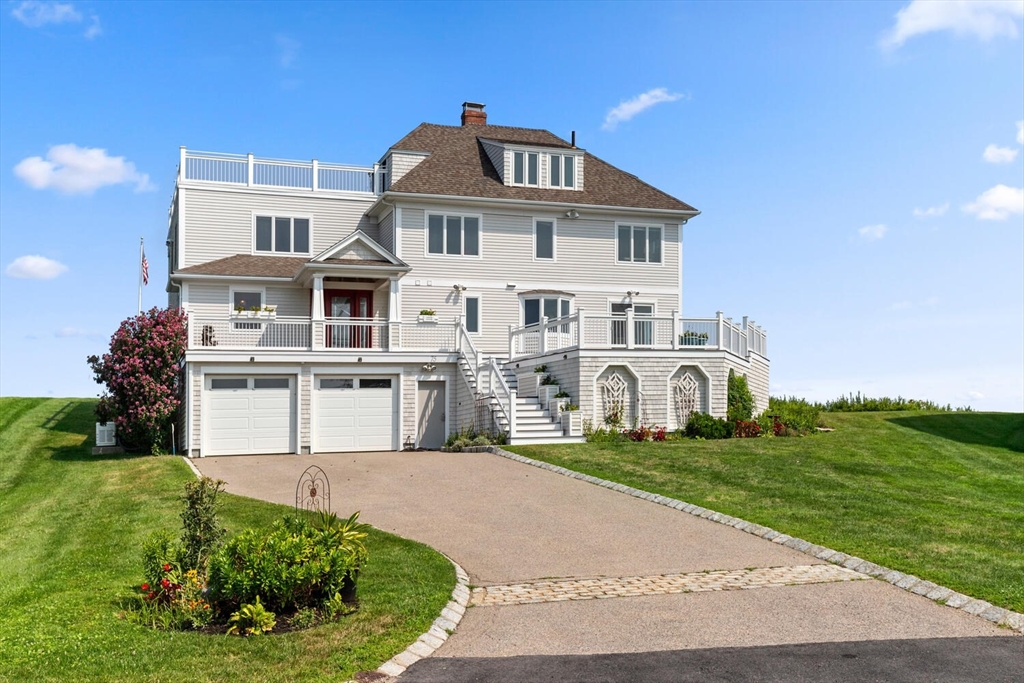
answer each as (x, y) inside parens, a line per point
(362, 335)
(245, 170)
(611, 332)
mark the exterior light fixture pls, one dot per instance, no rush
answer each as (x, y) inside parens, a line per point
(572, 213)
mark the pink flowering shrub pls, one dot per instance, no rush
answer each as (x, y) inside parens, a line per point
(141, 377)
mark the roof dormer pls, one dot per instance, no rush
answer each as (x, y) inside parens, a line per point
(521, 165)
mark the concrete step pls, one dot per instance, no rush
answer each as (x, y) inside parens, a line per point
(534, 428)
(527, 440)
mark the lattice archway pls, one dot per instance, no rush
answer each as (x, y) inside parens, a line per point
(685, 393)
(615, 398)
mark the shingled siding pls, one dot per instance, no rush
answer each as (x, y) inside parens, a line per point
(401, 163)
(219, 223)
(585, 258)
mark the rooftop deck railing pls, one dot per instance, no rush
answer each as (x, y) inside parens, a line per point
(245, 170)
(584, 331)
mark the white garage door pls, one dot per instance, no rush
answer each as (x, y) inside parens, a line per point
(249, 415)
(354, 414)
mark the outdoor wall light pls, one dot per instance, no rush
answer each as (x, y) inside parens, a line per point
(630, 294)
(572, 213)
(429, 367)
(459, 288)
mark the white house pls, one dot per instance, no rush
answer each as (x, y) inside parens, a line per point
(342, 308)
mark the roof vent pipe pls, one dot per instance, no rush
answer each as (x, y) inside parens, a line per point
(574, 139)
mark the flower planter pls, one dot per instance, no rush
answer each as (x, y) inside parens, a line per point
(572, 423)
(254, 315)
(529, 385)
(426, 318)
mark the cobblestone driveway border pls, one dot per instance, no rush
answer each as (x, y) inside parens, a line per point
(908, 582)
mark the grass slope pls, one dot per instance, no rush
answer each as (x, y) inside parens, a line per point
(937, 495)
(70, 530)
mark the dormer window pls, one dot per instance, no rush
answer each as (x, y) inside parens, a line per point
(526, 168)
(563, 171)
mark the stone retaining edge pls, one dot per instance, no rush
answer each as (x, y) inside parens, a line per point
(439, 631)
(911, 584)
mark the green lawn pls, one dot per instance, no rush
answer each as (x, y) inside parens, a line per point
(70, 529)
(937, 495)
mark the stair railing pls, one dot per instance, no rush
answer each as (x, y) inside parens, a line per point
(505, 395)
(468, 351)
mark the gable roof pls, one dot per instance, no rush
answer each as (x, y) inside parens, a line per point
(356, 242)
(459, 166)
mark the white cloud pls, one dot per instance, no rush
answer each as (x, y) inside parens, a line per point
(932, 211)
(289, 50)
(999, 155)
(983, 19)
(35, 268)
(900, 306)
(72, 169)
(35, 14)
(997, 203)
(872, 233)
(1020, 132)
(75, 332)
(976, 395)
(630, 108)
(94, 29)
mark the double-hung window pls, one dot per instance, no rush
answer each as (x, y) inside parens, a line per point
(282, 235)
(639, 244)
(453, 235)
(549, 307)
(526, 168)
(562, 171)
(544, 239)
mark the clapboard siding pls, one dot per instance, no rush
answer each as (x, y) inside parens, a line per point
(386, 232)
(585, 253)
(215, 298)
(220, 223)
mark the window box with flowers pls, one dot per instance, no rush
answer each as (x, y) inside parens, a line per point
(691, 338)
(255, 312)
(427, 315)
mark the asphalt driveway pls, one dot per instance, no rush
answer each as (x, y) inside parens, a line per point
(509, 523)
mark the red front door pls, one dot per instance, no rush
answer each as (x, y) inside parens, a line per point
(341, 304)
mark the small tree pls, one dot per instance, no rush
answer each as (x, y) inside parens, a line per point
(741, 401)
(141, 377)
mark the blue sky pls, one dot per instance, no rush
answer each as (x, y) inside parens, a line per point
(859, 166)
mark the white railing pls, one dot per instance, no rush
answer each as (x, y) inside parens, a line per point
(249, 333)
(505, 395)
(249, 171)
(368, 334)
(468, 351)
(263, 331)
(629, 331)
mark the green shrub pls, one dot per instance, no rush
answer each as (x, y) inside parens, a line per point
(252, 620)
(601, 434)
(703, 426)
(855, 403)
(201, 532)
(796, 414)
(741, 401)
(292, 565)
(481, 440)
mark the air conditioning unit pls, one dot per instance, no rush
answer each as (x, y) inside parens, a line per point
(106, 434)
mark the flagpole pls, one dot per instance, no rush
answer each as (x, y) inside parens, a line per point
(141, 256)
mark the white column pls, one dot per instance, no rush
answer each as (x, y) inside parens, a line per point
(249, 174)
(543, 334)
(630, 329)
(675, 330)
(318, 297)
(511, 344)
(316, 175)
(721, 330)
(181, 163)
(393, 315)
(579, 328)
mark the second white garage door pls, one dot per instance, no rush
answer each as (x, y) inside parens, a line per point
(247, 415)
(354, 414)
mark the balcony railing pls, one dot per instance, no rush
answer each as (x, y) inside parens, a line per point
(245, 170)
(585, 331)
(230, 333)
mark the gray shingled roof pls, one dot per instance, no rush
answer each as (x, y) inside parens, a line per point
(247, 265)
(458, 166)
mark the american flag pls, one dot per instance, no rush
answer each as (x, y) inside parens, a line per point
(145, 269)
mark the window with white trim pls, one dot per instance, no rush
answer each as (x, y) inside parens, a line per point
(453, 235)
(246, 301)
(550, 307)
(562, 171)
(472, 314)
(639, 244)
(525, 168)
(544, 239)
(282, 235)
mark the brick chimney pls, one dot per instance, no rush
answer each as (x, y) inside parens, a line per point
(473, 114)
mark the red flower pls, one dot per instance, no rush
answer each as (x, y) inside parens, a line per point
(165, 583)
(167, 567)
(151, 595)
(145, 586)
